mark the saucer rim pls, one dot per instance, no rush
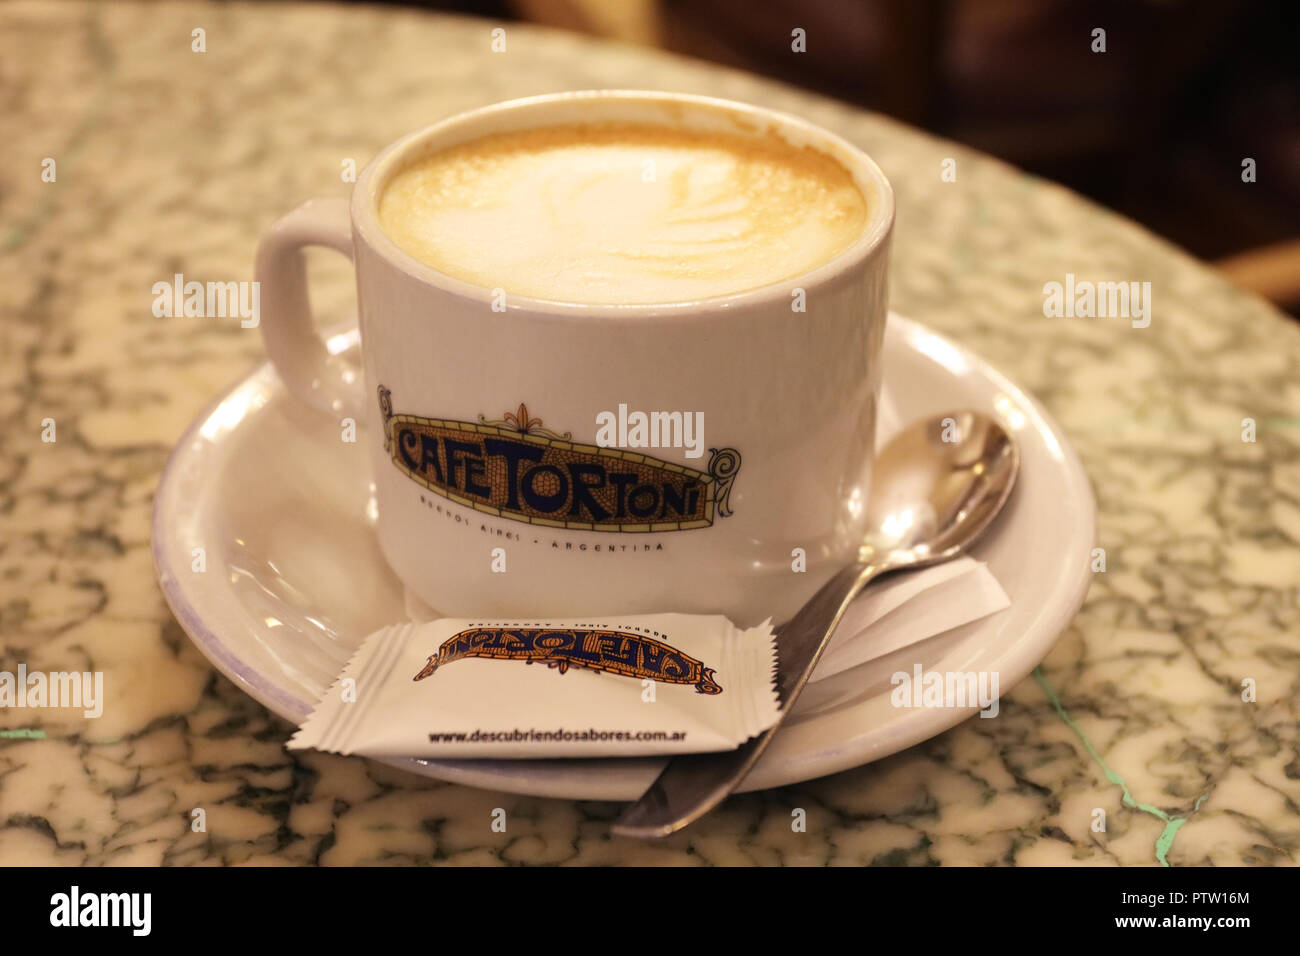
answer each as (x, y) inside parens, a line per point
(839, 755)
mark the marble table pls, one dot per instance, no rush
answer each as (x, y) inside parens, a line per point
(170, 160)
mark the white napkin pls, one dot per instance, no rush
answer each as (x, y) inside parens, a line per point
(894, 612)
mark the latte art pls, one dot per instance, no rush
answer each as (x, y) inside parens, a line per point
(623, 213)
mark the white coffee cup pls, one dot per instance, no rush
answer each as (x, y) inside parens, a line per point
(788, 400)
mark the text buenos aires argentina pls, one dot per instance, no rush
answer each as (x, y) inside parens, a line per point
(537, 480)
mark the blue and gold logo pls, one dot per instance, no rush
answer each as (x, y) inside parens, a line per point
(613, 652)
(515, 468)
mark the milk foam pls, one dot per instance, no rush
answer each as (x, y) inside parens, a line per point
(623, 213)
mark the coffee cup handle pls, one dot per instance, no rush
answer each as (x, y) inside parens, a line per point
(324, 381)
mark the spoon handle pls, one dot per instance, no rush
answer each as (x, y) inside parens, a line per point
(693, 784)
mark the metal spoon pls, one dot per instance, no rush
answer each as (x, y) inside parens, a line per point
(935, 487)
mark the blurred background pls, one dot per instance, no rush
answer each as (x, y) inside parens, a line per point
(1156, 128)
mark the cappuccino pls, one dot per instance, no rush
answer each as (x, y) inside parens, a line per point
(623, 213)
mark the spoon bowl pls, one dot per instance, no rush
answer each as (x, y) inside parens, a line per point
(936, 486)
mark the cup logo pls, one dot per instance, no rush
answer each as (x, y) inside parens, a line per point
(609, 651)
(517, 469)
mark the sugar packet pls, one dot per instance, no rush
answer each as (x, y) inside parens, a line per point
(628, 686)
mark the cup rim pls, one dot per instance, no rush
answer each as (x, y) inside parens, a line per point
(366, 191)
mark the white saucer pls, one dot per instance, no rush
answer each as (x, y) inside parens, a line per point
(294, 578)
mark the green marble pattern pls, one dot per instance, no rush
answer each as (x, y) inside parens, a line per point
(173, 161)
